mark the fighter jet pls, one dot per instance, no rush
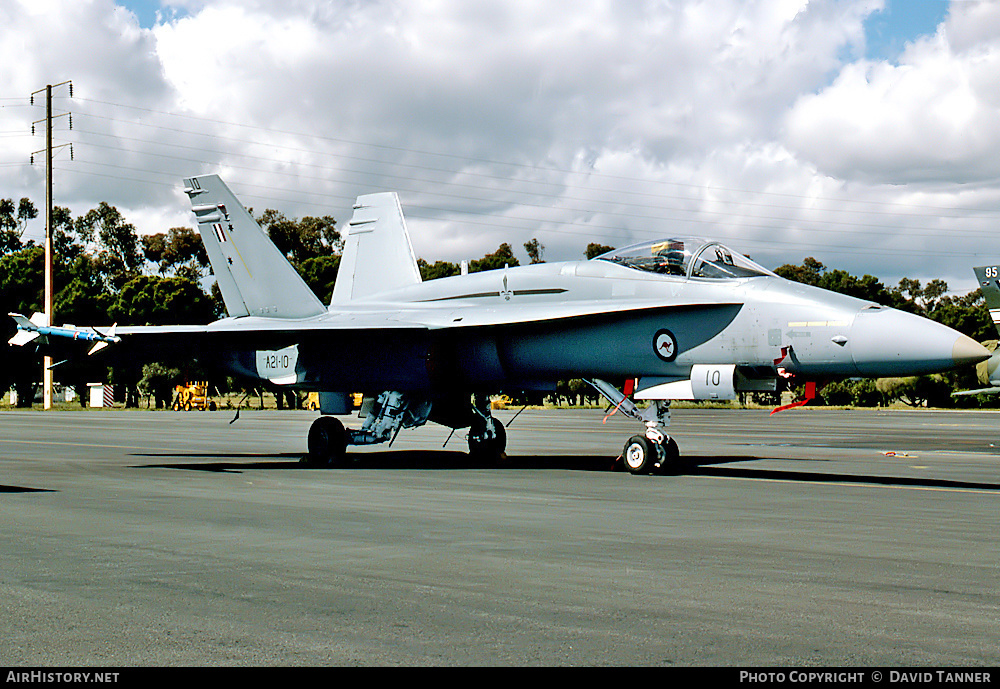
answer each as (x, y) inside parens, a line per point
(678, 318)
(988, 371)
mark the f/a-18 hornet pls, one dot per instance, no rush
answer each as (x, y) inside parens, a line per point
(676, 319)
(988, 371)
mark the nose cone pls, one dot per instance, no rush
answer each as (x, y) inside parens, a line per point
(887, 342)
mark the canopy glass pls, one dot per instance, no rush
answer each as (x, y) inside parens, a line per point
(686, 257)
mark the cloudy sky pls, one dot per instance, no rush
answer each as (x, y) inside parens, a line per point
(865, 133)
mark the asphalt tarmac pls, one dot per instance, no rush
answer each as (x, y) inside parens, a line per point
(810, 538)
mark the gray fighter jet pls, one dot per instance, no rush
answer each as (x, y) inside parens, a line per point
(679, 318)
(988, 371)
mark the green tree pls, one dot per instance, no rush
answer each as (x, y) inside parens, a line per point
(917, 391)
(179, 252)
(808, 273)
(438, 269)
(21, 276)
(13, 221)
(66, 243)
(83, 297)
(594, 250)
(152, 300)
(300, 240)
(117, 244)
(503, 256)
(320, 273)
(535, 250)
(158, 381)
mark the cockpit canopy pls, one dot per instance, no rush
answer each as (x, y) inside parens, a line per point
(686, 257)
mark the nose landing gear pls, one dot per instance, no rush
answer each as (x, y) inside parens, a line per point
(654, 450)
(651, 453)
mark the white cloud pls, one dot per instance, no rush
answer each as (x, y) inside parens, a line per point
(498, 121)
(933, 117)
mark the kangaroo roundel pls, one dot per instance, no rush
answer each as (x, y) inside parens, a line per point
(665, 345)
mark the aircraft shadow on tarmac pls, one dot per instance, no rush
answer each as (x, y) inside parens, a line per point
(23, 489)
(387, 460)
(450, 460)
(706, 469)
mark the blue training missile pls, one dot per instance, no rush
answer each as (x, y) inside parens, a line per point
(38, 326)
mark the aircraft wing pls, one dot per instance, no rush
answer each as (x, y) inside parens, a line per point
(250, 328)
(369, 323)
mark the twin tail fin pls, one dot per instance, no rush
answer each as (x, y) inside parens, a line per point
(255, 278)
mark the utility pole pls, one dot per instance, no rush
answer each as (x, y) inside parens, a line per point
(47, 361)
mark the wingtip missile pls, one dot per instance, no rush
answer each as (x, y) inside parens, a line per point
(38, 326)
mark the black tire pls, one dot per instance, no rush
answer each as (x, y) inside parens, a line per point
(639, 455)
(327, 441)
(485, 448)
(671, 462)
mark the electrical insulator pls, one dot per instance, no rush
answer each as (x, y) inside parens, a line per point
(71, 121)
(71, 89)
(32, 159)
(71, 151)
(32, 129)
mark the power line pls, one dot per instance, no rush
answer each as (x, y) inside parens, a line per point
(803, 223)
(399, 149)
(422, 179)
(431, 213)
(495, 191)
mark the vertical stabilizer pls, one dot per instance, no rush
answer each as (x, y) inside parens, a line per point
(378, 256)
(988, 371)
(989, 283)
(255, 278)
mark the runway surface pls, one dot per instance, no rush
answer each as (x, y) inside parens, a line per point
(160, 538)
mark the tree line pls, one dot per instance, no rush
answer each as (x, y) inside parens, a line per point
(105, 272)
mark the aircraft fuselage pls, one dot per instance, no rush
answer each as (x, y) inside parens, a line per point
(528, 327)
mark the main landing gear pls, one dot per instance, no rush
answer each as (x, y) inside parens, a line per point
(327, 441)
(487, 436)
(394, 411)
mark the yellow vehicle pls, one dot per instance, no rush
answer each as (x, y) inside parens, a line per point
(312, 401)
(192, 396)
(500, 402)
